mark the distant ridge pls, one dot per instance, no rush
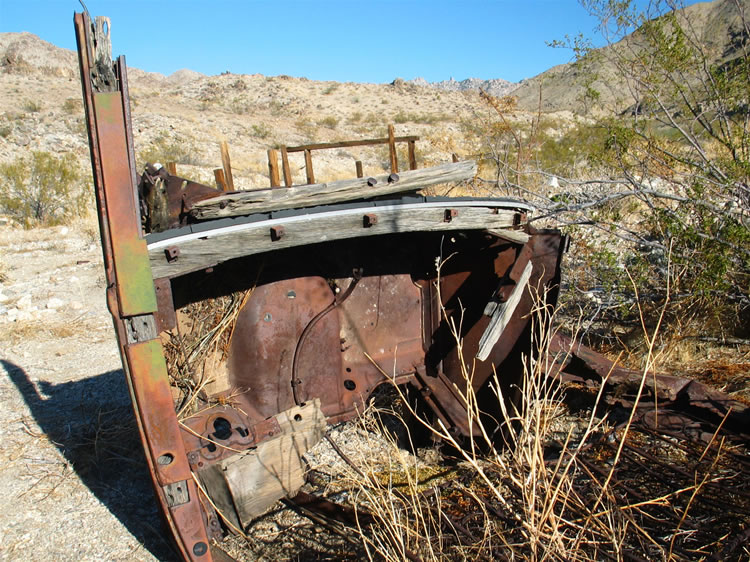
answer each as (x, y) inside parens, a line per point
(495, 87)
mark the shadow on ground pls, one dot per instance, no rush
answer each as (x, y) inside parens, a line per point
(91, 422)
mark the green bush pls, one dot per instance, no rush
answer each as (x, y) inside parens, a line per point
(42, 189)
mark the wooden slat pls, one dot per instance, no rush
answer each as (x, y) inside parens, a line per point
(502, 315)
(345, 144)
(392, 149)
(227, 165)
(273, 167)
(206, 249)
(261, 200)
(285, 167)
(309, 168)
(221, 182)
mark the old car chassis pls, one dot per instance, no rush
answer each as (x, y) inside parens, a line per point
(244, 334)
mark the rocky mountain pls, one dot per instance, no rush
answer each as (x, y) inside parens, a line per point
(495, 87)
(715, 26)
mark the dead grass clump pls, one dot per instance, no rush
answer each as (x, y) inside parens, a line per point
(205, 331)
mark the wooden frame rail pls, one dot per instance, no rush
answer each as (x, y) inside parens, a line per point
(391, 140)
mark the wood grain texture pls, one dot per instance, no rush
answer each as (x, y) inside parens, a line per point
(206, 249)
(262, 200)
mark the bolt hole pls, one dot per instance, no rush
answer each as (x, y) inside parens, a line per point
(348, 369)
(165, 459)
(242, 431)
(222, 429)
(297, 417)
(211, 448)
(349, 384)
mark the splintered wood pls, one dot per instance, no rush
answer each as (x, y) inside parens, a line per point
(262, 200)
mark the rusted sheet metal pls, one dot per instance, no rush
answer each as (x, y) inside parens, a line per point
(682, 403)
(168, 198)
(128, 249)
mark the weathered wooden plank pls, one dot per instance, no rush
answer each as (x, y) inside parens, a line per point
(392, 149)
(346, 144)
(285, 167)
(515, 236)
(227, 165)
(221, 182)
(261, 200)
(273, 167)
(205, 249)
(245, 485)
(502, 315)
(309, 168)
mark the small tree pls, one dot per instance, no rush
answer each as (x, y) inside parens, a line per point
(42, 189)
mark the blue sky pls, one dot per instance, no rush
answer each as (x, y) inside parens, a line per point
(354, 40)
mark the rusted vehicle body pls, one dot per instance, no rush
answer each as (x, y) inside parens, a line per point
(246, 328)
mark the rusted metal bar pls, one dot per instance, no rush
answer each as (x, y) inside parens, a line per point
(171, 168)
(358, 167)
(131, 297)
(412, 155)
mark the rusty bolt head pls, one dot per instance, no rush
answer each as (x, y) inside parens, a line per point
(370, 219)
(172, 253)
(450, 214)
(277, 232)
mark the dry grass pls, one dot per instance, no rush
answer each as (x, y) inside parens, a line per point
(551, 488)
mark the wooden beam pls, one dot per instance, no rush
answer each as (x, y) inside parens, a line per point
(346, 144)
(273, 167)
(392, 149)
(412, 155)
(171, 168)
(285, 167)
(502, 315)
(205, 249)
(358, 167)
(261, 200)
(221, 182)
(309, 168)
(227, 165)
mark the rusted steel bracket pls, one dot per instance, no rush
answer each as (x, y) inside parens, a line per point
(130, 294)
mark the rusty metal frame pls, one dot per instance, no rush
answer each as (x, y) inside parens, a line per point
(131, 297)
(320, 348)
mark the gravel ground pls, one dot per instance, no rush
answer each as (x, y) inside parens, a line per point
(71, 465)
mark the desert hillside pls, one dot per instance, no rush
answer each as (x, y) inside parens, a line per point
(184, 116)
(716, 26)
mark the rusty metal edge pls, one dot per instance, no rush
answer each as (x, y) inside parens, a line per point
(143, 361)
